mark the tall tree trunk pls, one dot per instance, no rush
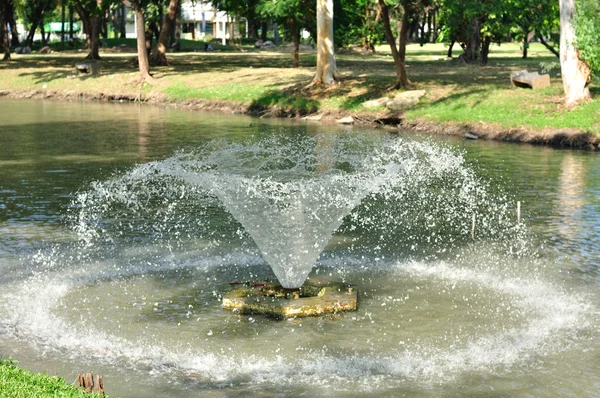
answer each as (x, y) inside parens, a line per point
(326, 65)
(526, 39)
(159, 55)
(474, 44)
(103, 25)
(177, 31)
(296, 40)
(263, 31)
(449, 55)
(10, 18)
(231, 35)
(148, 40)
(43, 32)
(575, 73)
(4, 32)
(141, 46)
(401, 77)
(485, 50)
(403, 33)
(94, 40)
(123, 24)
(84, 16)
(71, 32)
(63, 18)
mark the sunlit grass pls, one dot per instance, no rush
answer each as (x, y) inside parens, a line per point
(17, 382)
(259, 79)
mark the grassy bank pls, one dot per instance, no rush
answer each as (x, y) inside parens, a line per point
(264, 82)
(17, 382)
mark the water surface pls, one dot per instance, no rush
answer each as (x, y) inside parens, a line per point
(136, 297)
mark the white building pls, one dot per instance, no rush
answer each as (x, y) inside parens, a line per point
(199, 21)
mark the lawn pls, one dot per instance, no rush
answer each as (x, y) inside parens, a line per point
(17, 382)
(263, 80)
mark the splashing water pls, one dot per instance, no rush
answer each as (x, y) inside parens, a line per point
(156, 246)
(289, 198)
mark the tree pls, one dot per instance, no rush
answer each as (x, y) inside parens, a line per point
(4, 37)
(143, 64)
(397, 54)
(294, 15)
(159, 55)
(34, 12)
(587, 25)
(575, 71)
(539, 18)
(474, 25)
(326, 66)
(91, 13)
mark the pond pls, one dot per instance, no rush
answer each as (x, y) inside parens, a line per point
(122, 226)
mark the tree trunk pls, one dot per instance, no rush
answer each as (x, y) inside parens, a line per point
(123, 24)
(71, 32)
(296, 40)
(575, 73)
(148, 40)
(43, 32)
(485, 50)
(103, 25)
(548, 46)
(526, 40)
(94, 40)
(230, 28)
(159, 56)
(326, 65)
(4, 34)
(474, 44)
(263, 31)
(141, 46)
(401, 77)
(449, 55)
(403, 33)
(177, 38)
(10, 18)
(84, 16)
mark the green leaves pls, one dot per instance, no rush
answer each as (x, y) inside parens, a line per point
(587, 27)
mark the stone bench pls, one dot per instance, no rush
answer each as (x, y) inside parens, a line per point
(523, 78)
(92, 68)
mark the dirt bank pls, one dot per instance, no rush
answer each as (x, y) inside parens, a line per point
(559, 138)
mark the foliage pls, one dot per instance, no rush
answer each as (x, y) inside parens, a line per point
(16, 382)
(355, 23)
(587, 25)
(281, 11)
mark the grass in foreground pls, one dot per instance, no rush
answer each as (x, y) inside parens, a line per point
(16, 382)
(260, 79)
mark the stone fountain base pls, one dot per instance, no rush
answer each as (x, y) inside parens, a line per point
(315, 297)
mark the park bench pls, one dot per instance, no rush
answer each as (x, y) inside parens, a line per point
(523, 78)
(92, 68)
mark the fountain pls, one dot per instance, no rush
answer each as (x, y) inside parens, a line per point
(289, 200)
(134, 288)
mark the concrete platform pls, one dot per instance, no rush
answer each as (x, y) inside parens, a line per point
(314, 298)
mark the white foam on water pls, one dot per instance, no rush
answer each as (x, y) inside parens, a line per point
(555, 316)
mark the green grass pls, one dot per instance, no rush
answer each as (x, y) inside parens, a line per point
(263, 79)
(17, 382)
(237, 92)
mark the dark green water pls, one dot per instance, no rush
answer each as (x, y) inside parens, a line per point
(438, 319)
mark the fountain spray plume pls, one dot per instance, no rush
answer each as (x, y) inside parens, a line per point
(288, 198)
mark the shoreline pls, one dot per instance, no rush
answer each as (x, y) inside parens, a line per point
(568, 138)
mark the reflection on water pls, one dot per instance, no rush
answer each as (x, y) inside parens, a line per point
(438, 316)
(570, 196)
